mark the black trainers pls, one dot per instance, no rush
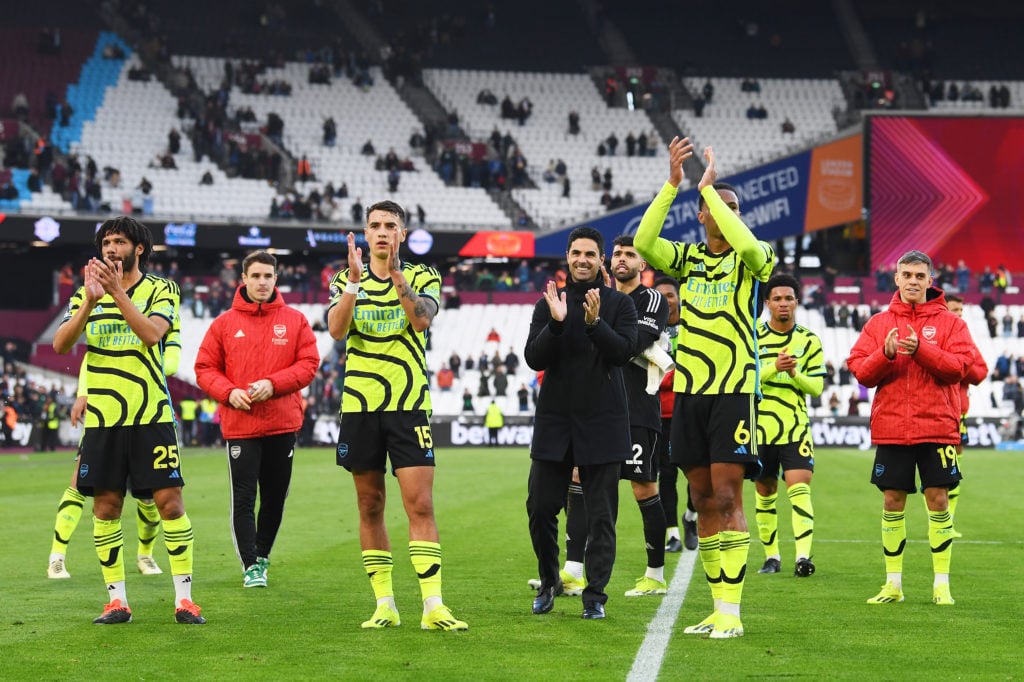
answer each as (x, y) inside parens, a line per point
(771, 566)
(804, 568)
(674, 546)
(690, 534)
(188, 613)
(113, 613)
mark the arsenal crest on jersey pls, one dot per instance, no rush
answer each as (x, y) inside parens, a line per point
(928, 332)
(279, 330)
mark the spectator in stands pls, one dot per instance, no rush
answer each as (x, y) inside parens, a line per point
(174, 141)
(508, 109)
(524, 398)
(630, 144)
(523, 110)
(844, 374)
(421, 215)
(549, 172)
(613, 142)
(1012, 392)
(853, 410)
(455, 364)
(368, 149)
(566, 187)
(788, 127)
(833, 404)
(963, 277)
(445, 378)
(357, 212)
(1002, 367)
(574, 123)
(595, 178)
(708, 91)
(641, 144)
(207, 178)
(394, 177)
(35, 183)
(19, 106)
(467, 401)
(1007, 326)
(1020, 327)
(330, 129)
(698, 106)
(66, 112)
(487, 97)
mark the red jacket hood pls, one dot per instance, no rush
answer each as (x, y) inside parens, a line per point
(243, 304)
(917, 398)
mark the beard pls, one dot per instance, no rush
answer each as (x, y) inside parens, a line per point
(128, 262)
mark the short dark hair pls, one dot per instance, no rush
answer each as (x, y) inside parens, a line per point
(258, 257)
(782, 280)
(586, 232)
(701, 204)
(953, 298)
(623, 240)
(136, 232)
(665, 279)
(388, 206)
(915, 256)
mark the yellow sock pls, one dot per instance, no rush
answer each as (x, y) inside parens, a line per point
(378, 565)
(69, 513)
(894, 540)
(767, 522)
(940, 537)
(954, 497)
(803, 518)
(179, 541)
(148, 522)
(109, 542)
(709, 549)
(426, 561)
(735, 546)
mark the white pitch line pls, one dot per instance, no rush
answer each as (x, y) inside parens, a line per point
(647, 663)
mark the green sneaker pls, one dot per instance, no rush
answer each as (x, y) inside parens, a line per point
(441, 618)
(264, 564)
(941, 595)
(383, 617)
(254, 577)
(571, 585)
(703, 627)
(727, 627)
(647, 586)
(889, 594)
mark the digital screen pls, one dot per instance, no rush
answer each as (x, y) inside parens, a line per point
(947, 186)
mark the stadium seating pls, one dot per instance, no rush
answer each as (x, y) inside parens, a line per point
(545, 136)
(742, 142)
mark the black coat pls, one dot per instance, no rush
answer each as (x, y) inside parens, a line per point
(582, 408)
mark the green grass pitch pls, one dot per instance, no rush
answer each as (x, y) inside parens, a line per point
(306, 624)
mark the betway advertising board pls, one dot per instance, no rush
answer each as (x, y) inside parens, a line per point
(828, 432)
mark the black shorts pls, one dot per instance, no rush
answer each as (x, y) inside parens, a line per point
(367, 439)
(664, 448)
(643, 464)
(147, 456)
(715, 428)
(787, 456)
(937, 464)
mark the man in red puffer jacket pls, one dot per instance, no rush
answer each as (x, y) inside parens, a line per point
(254, 361)
(916, 353)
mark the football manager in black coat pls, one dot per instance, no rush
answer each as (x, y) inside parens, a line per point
(581, 337)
